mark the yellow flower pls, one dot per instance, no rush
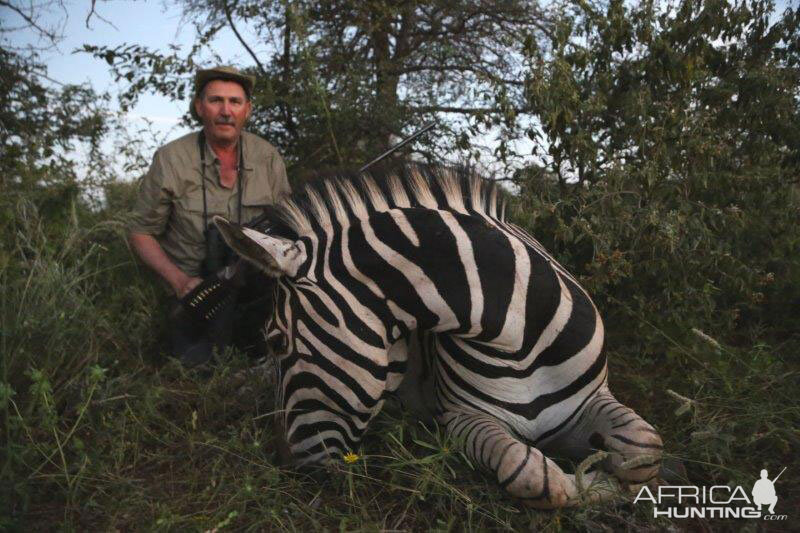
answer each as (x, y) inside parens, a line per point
(350, 458)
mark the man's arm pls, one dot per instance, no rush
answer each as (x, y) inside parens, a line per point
(149, 218)
(152, 254)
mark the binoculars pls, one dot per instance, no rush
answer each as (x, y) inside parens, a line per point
(218, 253)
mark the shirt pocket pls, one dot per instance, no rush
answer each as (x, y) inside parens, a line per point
(188, 222)
(257, 195)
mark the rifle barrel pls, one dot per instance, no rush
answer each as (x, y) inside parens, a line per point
(398, 146)
(779, 475)
(261, 218)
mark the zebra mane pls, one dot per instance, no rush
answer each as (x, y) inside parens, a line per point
(356, 196)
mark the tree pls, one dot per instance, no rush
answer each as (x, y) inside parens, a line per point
(671, 89)
(41, 120)
(673, 135)
(338, 80)
(38, 124)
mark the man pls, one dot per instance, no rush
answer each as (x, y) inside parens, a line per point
(220, 170)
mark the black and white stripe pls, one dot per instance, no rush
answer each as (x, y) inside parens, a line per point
(513, 341)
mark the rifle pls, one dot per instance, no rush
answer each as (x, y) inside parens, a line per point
(262, 218)
(397, 146)
(218, 290)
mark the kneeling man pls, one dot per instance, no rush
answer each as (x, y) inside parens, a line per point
(219, 170)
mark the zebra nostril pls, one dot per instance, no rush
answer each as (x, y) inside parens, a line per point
(596, 441)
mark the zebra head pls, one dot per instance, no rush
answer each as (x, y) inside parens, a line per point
(333, 352)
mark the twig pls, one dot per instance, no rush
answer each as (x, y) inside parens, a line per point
(241, 39)
(93, 12)
(30, 20)
(114, 398)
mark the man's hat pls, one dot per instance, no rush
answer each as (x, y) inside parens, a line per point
(226, 73)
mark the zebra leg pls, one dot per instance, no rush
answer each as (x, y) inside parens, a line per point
(634, 447)
(416, 390)
(523, 471)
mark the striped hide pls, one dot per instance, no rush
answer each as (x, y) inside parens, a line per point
(513, 345)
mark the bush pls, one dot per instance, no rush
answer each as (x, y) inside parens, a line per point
(670, 180)
(668, 186)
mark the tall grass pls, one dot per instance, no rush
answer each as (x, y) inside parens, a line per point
(102, 430)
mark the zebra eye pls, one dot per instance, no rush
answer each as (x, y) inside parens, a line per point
(277, 342)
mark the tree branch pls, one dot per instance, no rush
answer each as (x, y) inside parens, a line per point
(453, 68)
(239, 36)
(462, 110)
(49, 34)
(286, 60)
(93, 12)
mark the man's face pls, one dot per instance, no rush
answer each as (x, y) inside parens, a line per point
(223, 107)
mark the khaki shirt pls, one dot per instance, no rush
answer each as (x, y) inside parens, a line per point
(170, 201)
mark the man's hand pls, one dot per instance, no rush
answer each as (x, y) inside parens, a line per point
(188, 285)
(152, 254)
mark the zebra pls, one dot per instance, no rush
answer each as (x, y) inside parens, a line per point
(512, 344)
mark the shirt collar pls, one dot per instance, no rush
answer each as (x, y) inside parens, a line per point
(212, 159)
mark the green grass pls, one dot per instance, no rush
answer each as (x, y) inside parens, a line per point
(101, 431)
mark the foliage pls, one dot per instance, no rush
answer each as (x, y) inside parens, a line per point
(39, 128)
(61, 302)
(684, 92)
(667, 182)
(336, 80)
(670, 180)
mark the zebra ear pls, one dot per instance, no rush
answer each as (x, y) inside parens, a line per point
(276, 256)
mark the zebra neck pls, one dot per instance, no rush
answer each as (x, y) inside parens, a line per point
(440, 271)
